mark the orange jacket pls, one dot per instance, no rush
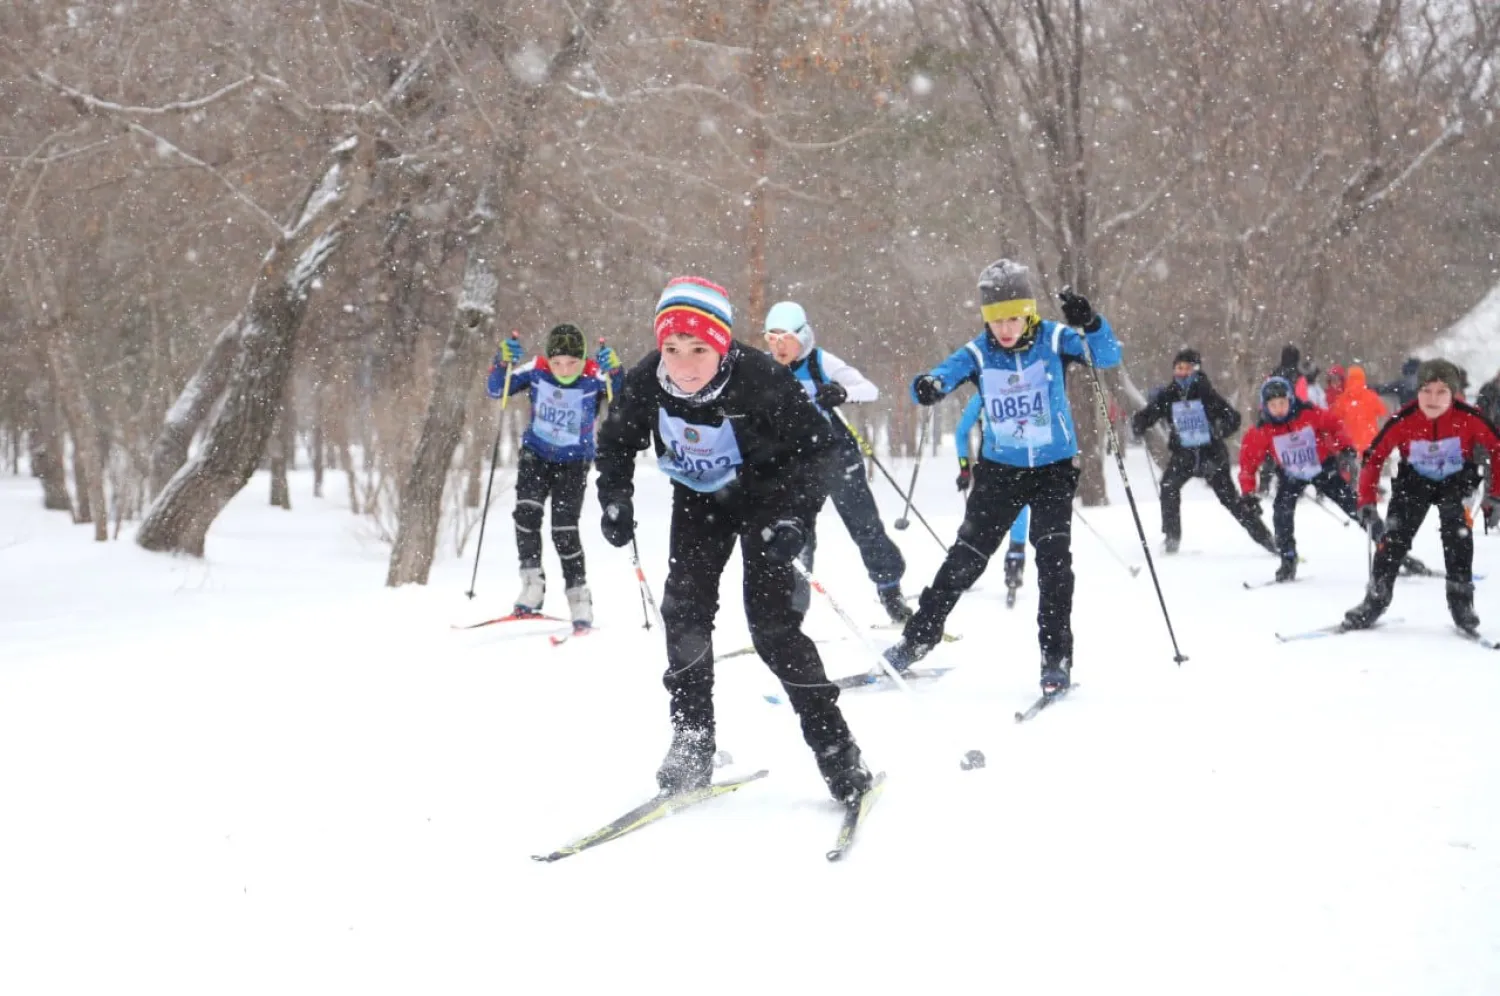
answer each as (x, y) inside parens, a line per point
(1360, 409)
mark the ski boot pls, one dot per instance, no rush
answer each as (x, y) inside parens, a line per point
(581, 608)
(1170, 544)
(1461, 605)
(1057, 676)
(689, 763)
(1365, 614)
(1412, 567)
(844, 772)
(533, 592)
(906, 653)
(894, 602)
(1288, 569)
(1015, 565)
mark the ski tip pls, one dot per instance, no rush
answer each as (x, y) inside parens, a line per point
(1136, 570)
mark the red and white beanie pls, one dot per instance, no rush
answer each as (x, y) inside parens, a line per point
(696, 307)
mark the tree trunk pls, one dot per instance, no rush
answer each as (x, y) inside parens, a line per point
(88, 461)
(192, 406)
(46, 448)
(236, 440)
(279, 448)
(760, 154)
(422, 493)
(319, 400)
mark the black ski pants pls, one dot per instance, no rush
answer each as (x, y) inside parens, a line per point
(998, 495)
(705, 529)
(852, 499)
(1411, 496)
(1211, 463)
(536, 479)
(1329, 483)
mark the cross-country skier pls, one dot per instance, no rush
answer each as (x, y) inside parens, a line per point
(1015, 556)
(748, 456)
(1027, 458)
(1437, 436)
(830, 382)
(1198, 421)
(1308, 445)
(556, 450)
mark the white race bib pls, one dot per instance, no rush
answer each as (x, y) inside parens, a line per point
(1297, 452)
(1191, 423)
(557, 414)
(701, 457)
(1016, 406)
(1437, 459)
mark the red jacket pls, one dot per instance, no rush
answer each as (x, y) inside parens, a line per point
(1443, 445)
(1309, 437)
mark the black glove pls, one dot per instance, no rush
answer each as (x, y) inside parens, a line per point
(1369, 520)
(1076, 309)
(928, 389)
(1251, 504)
(831, 395)
(784, 539)
(965, 478)
(1491, 508)
(618, 524)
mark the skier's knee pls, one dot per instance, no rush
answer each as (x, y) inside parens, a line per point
(528, 515)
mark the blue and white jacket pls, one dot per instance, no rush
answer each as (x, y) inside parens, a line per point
(1027, 420)
(562, 415)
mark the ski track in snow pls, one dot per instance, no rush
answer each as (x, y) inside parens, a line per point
(264, 772)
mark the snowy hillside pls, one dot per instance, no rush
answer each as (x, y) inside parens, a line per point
(1473, 342)
(264, 773)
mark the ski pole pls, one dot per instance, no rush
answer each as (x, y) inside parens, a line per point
(1317, 500)
(1088, 354)
(817, 586)
(869, 451)
(903, 522)
(485, 514)
(1134, 569)
(646, 597)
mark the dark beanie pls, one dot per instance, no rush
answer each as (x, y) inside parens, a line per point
(1188, 356)
(565, 340)
(1442, 370)
(1005, 291)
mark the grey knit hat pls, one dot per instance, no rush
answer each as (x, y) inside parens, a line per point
(1442, 370)
(1005, 291)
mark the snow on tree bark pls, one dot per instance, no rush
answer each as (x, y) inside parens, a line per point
(46, 447)
(235, 441)
(170, 450)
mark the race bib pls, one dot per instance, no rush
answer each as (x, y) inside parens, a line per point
(1016, 407)
(701, 457)
(1191, 423)
(1297, 452)
(557, 414)
(1438, 458)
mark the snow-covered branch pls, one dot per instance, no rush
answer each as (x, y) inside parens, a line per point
(88, 102)
(165, 144)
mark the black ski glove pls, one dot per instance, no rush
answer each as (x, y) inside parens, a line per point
(928, 389)
(965, 477)
(1369, 520)
(618, 524)
(831, 395)
(1076, 309)
(784, 539)
(1251, 504)
(1491, 508)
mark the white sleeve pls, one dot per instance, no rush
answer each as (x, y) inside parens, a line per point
(851, 379)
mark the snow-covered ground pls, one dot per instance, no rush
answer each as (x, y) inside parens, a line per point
(264, 773)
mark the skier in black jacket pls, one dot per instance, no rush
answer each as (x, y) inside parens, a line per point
(749, 457)
(1198, 421)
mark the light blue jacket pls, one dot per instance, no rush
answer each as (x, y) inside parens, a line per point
(1028, 422)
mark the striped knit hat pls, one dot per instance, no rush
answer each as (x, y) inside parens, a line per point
(694, 306)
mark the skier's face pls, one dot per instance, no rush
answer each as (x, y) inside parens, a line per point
(565, 367)
(691, 362)
(1009, 331)
(1278, 407)
(784, 346)
(1434, 398)
(1182, 371)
